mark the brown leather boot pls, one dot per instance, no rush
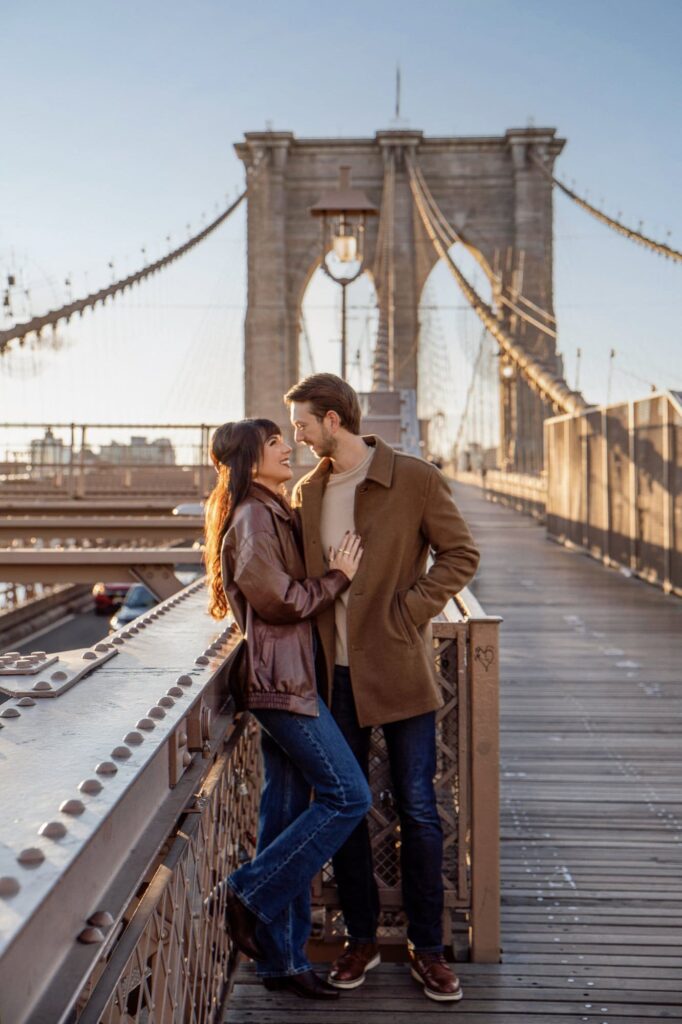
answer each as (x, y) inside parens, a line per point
(350, 969)
(433, 972)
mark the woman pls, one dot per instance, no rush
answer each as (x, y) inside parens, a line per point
(254, 561)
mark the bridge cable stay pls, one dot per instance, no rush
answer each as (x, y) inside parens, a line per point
(383, 369)
(448, 233)
(636, 236)
(550, 386)
(37, 324)
(464, 418)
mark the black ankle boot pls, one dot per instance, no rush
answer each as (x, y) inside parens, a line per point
(241, 924)
(308, 985)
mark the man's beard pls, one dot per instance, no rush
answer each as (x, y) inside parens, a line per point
(326, 448)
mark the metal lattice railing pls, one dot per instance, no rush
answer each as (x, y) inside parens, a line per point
(173, 961)
(453, 795)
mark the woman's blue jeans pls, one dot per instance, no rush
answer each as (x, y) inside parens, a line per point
(296, 837)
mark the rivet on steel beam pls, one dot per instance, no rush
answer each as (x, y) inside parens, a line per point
(174, 691)
(201, 660)
(133, 630)
(42, 686)
(91, 935)
(106, 768)
(182, 738)
(89, 656)
(102, 648)
(134, 739)
(208, 652)
(26, 702)
(120, 753)
(126, 634)
(39, 654)
(59, 676)
(101, 919)
(53, 830)
(72, 806)
(118, 640)
(184, 680)
(145, 723)
(10, 713)
(90, 786)
(142, 625)
(9, 887)
(156, 712)
(166, 702)
(31, 856)
(186, 759)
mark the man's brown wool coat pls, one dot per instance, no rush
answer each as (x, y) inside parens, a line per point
(403, 509)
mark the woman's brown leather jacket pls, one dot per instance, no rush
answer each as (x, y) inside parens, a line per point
(273, 603)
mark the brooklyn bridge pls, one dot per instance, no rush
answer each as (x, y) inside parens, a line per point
(129, 784)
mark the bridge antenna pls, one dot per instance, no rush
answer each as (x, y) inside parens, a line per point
(397, 92)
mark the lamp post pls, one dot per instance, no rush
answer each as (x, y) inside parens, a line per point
(342, 212)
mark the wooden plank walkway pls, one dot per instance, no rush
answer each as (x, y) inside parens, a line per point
(591, 723)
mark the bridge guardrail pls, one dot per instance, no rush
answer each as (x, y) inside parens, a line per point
(121, 909)
(615, 485)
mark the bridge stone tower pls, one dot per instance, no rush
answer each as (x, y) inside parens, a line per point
(488, 188)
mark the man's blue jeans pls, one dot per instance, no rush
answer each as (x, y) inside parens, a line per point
(296, 838)
(411, 746)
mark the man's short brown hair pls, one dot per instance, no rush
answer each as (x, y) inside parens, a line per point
(328, 393)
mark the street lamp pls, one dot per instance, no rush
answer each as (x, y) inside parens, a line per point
(343, 212)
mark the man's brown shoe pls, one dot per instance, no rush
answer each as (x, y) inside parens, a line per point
(350, 969)
(433, 972)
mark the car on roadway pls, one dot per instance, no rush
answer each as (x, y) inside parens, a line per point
(139, 600)
(189, 508)
(109, 596)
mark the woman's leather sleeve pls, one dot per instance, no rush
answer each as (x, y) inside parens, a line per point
(271, 592)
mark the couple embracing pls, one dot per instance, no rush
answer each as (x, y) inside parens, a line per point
(333, 595)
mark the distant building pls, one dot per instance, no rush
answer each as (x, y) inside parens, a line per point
(50, 451)
(139, 452)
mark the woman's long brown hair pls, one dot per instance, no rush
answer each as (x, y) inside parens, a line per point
(235, 449)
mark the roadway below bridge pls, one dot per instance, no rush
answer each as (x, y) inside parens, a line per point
(71, 633)
(591, 802)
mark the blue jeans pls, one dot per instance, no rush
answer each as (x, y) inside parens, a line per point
(297, 837)
(411, 746)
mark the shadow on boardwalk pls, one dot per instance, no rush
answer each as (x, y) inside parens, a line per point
(591, 717)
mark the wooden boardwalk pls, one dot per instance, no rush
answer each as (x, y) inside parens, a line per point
(591, 740)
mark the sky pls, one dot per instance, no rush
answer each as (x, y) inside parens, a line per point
(119, 121)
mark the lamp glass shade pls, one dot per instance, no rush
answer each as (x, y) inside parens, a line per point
(345, 248)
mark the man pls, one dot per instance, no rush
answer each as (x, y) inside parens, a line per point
(378, 653)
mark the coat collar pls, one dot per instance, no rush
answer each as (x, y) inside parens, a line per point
(380, 468)
(266, 497)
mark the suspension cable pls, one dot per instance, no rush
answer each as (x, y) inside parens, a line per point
(449, 234)
(636, 236)
(550, 386)
(38, 323)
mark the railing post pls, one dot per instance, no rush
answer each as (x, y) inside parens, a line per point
(668, 510)
(485, 795)
(632, 482)
(606, 491)
(80, 490)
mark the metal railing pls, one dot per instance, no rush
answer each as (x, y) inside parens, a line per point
(105, 460)
(149, 917)
(520, 491)
(174, 961)
(615, 485)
